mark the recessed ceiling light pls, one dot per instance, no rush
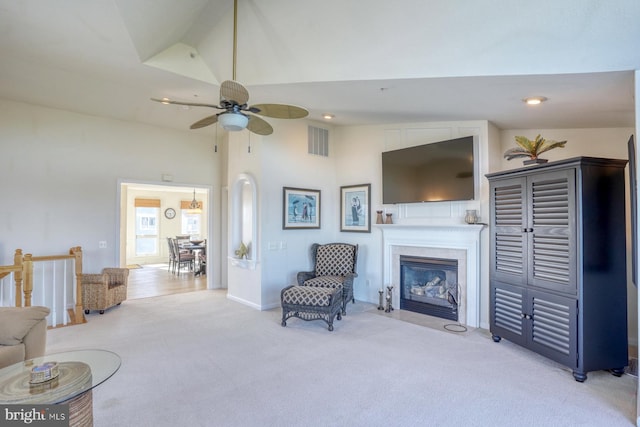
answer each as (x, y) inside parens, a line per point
(534, 100)
(328, 116)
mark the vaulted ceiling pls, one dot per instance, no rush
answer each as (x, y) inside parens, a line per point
(364, 62)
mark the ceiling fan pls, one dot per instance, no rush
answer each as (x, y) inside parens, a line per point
(233, 101)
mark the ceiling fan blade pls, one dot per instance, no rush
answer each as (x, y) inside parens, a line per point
(233, 91)
(191, 104)
(205, 122)
(259, 126)
(280, 111)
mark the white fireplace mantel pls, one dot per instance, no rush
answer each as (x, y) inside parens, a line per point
(460, 241)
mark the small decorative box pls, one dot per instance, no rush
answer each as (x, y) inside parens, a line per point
(45, 372)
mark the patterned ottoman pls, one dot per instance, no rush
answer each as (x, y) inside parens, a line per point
(311, 303)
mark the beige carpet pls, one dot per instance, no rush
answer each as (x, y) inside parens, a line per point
(199, 359)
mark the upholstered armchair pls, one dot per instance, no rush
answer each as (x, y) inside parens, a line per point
(334, 265)
(103, 291)
(23, 333)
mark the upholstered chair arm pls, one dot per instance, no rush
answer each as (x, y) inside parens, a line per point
(23, 333)
(94, 289)
(35, 341)
(116, 276)
(93, 279)
(303, 276)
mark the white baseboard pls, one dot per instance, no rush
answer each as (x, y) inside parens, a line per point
(271, 306)
(244, 302)
(253, 305)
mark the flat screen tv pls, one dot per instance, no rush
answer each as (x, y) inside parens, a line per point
(440, 171)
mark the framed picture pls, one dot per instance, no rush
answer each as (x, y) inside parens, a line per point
(355, 208)
(301, 208)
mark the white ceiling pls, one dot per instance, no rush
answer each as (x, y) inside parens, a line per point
(365, 62)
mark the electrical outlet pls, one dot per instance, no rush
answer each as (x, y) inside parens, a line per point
(102, 244)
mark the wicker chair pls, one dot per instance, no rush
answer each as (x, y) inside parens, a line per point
(103, 291)
(334, 266)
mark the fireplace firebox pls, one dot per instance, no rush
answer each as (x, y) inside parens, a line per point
(429, 286)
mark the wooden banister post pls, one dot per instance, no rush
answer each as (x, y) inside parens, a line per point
(27, 269)
(17, 276)
(76, 251)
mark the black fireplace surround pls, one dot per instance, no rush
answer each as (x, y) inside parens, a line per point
(429, 286)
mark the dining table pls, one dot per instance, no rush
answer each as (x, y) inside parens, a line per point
(195, 248)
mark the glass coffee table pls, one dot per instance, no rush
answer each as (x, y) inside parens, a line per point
(79, 372)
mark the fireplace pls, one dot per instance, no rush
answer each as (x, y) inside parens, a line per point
(429, 286)
(460, 243)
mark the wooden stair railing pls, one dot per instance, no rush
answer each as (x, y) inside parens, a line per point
(22, 270)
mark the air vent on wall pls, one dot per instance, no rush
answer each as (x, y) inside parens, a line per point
(318, 141)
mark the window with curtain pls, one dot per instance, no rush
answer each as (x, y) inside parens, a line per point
(191, 219)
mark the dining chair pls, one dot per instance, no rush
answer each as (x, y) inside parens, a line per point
(172, 255)
(182, 257)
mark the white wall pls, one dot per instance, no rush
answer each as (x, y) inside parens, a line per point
(243, 284)
(59, 175)
(276, 161)
(359, 162)
(609, 143)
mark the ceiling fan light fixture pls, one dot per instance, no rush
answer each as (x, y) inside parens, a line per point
(234, 99)
(534, 100)
(233, 121)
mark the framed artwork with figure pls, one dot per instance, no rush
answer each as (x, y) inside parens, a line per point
(301, 208)
(355, 208)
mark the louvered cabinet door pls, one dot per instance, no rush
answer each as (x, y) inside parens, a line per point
(506, 313)
(508, 244)
(552, 326)
(551, 231)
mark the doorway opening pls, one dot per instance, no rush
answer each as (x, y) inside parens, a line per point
(149, 214)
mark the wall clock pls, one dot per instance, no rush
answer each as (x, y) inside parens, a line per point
(170, 213)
